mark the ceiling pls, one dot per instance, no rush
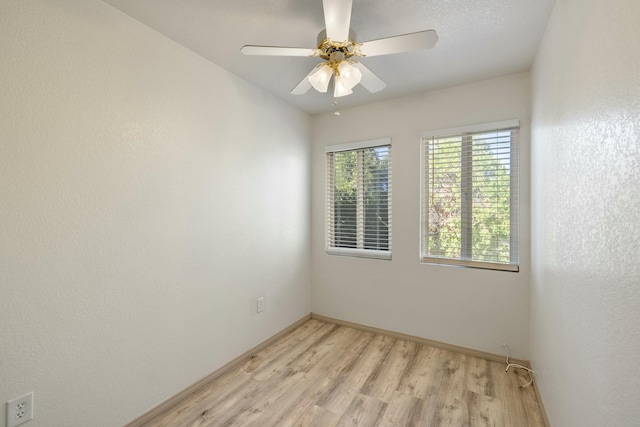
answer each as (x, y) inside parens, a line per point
(479, 39)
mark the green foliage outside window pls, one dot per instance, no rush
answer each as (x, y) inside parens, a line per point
(372, 170)
(469, 198)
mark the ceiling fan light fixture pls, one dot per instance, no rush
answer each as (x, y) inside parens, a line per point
(320, 78)
(339, 88)
(350, 76)
(338, 46)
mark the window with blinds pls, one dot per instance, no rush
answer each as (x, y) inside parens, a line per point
(470, 196)
(359, 199)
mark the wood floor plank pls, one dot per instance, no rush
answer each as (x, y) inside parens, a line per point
(451, 407)
(371, 361)
(333, 369)
(230, 409)
(317, 417)
(264, 371)
(339, 398)
(271, 406)
(321, 365)
(282, 346)
(480, 377)
(363, 411)
(340, 365)
(299, 401)
(401, 411)
(419, 375)
(426, 413)
(326, 375)
(387, 378)
(484, 411)
(330, 345)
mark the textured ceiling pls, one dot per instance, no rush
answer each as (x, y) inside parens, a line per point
(479, 39)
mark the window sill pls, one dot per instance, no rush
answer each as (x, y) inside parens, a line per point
(472, 264)
(360, 253)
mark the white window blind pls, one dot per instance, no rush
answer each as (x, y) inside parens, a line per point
(359, 199)
(470, 196)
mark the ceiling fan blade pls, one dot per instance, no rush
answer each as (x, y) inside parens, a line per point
(370, 81)
(304, 85)
(337, 18)
(277, 51)
(407, 42)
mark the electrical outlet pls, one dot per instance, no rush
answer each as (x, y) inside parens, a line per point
(260, 305)
(20, 410)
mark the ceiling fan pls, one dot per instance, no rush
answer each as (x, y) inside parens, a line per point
(337, 46)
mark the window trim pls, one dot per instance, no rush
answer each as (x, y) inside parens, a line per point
(356, 252)
(514, 206)
(485, 127)
(372, 143)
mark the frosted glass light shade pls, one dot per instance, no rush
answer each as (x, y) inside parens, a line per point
(349, 75)
(320, 78)
(339, 88)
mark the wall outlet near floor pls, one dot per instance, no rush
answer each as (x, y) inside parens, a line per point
(20, 410)
(260, 305)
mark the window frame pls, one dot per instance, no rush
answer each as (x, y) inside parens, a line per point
(467, 184)
(329, 217)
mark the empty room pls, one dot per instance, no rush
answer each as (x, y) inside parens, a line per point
(319, 213)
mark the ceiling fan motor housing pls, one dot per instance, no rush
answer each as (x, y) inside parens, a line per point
(336, 51)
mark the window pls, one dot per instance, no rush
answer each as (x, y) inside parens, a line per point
(470, 196)
(359, 199)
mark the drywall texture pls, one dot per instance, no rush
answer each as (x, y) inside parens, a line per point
(585, 292)
(473, 308)
(147, 198)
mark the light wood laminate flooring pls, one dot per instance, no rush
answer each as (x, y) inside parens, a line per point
(327, 375)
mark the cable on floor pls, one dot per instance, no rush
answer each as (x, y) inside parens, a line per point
(516, 365)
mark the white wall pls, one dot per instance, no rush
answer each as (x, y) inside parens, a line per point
(147, 198)
(473, 308)
(585, 293)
